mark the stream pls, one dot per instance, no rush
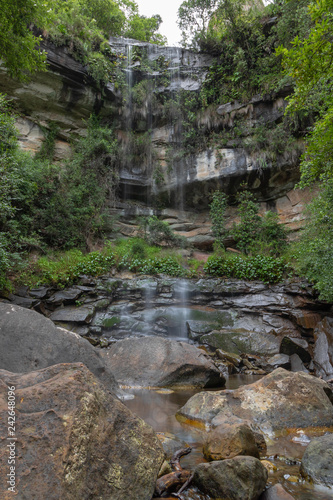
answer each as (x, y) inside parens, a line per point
(158, 408)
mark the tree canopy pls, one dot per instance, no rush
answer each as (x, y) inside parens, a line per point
(18, 45)
(84, 26)
(310, 63)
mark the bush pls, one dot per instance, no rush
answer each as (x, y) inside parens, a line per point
(217, 213)
(157, 232)
(260, 267)
(313, 254)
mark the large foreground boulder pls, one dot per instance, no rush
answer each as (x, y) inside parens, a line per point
(278, 401)
(74, 439)
(317, 461)
(240, 478)
(158, 362)
(29, 341)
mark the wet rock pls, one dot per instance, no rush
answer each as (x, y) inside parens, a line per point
(29, 341)
(64, 297)
(170, 443)
(23, 301)
(73, 314)
(196, 329)
(229, 441)
(158, 362)
(40, 293)
(226, 368)
(317, 461)
(276, 492)
(297, 364)
(233, 358)
(75, 437)
(236, 479)
(240, 341)
(279, 361)
(297, 346)
(278, 401)
(323, 350)
(306, 319)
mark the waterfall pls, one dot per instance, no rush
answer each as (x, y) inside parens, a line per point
(180, 313)
(128, 117)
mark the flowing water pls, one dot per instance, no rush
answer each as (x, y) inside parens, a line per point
(158, 408)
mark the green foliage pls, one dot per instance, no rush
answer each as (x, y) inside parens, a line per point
(255, 234)
(194, 17)
(217, 213)
(46, 152)
(42, 204)
(272, 237)
(19, 47)
(314, 252)
(145, 29)
(71, 204)
(261, 267)
(157, 232)
(247, 230)
(310, 63)
(66, 268)
(242, 36)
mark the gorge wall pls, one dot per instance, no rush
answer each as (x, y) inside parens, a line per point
(174, 151)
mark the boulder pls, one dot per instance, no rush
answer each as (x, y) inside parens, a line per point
(170, 443)
(228, 441)
(29, 341)
(241, 341)
(276, 492)
(240, 478)
(158, 362)
(323, 351)
(74, 439)
(297, 346)
(276, 402)
(297, 364)
(317, 461)
(279, 361)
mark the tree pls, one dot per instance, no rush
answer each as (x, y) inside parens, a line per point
(310, 63)
(145, 28)
(194, 17)
(218, 207)
(314, 251)
(19, 47)
(204, 21)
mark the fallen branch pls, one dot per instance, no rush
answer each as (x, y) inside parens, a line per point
(175, 459)
(185, 485)
(170, 483)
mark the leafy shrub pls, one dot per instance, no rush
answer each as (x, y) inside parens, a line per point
(217, 213)
(260, 267)
(66, 268)
(258, 234)
(313, 254)
(157, 232)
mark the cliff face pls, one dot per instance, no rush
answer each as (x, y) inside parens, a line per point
(174, 153)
